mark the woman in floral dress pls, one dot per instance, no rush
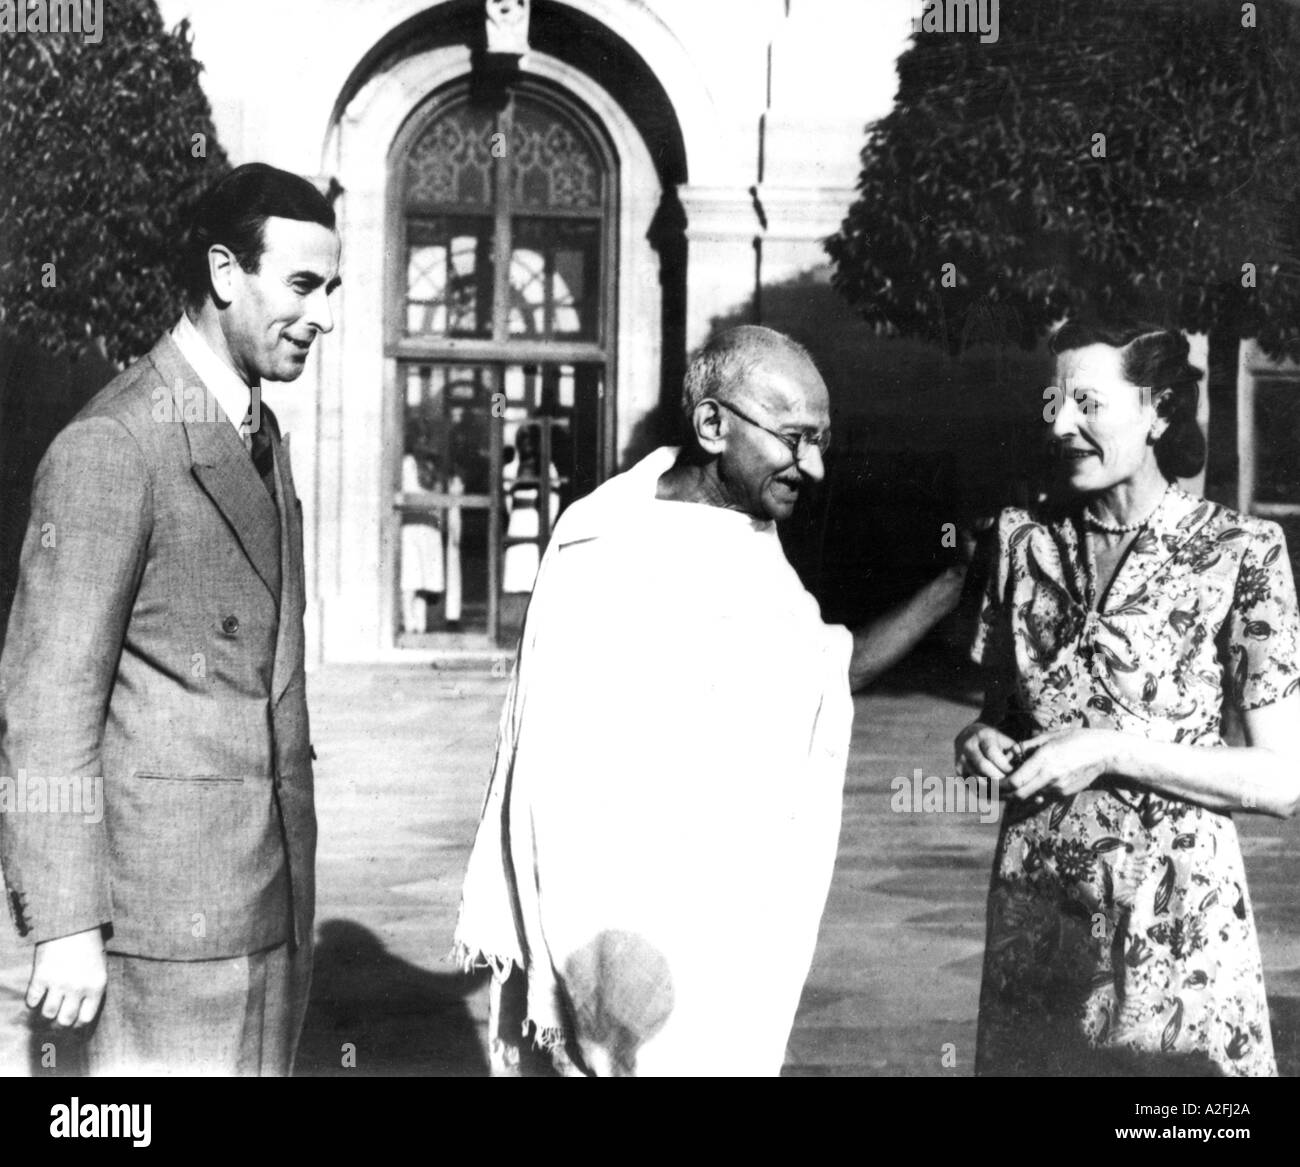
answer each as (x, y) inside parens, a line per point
(1122, 625)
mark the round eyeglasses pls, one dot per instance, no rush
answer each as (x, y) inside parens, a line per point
(793, 442)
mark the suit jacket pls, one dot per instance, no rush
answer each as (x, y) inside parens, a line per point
(156, 642)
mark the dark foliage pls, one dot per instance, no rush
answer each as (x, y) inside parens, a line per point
(988, 162)
(97, 154)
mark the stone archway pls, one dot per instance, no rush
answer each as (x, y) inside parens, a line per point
(353, 596)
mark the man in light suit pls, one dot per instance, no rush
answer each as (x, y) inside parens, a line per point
(155, 654)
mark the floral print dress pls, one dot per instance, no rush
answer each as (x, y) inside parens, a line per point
(1120, 932)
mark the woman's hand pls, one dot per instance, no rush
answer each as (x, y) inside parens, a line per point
(1061, 763)
(984, 752)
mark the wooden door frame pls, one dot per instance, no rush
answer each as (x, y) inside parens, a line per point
(401, 350)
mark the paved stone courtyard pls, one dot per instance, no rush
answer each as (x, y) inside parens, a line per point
(403, 757)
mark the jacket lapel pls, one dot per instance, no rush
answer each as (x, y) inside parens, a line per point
(224, 470)
(289, 645)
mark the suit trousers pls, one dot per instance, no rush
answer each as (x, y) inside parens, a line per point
(237, 1017)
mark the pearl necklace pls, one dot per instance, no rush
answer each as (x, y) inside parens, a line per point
(1116, 529)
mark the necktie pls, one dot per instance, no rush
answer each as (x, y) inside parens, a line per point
(263, 459)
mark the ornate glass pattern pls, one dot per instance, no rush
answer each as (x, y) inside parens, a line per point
(552, 167)
(451, 162)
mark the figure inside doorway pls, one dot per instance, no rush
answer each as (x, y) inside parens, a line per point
(423, 574)
(522, 481)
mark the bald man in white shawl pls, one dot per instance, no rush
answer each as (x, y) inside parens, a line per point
(663, 814)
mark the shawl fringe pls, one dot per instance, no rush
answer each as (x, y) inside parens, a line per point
(472, 960)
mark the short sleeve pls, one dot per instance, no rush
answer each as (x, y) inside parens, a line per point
(991, 646)
(1263, 629)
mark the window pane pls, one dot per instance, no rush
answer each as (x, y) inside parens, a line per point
(550, 455)
(553, 165)
(1277, 429)
(567, 290)
(444, 565)
(449, 276)
(426, 283)
(527, 292)
(516, 383)
(554, 281)
(451, 162)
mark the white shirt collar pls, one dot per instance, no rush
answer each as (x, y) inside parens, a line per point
(218, 378)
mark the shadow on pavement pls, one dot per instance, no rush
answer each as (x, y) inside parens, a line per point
(404, 1020)
(398, 1018)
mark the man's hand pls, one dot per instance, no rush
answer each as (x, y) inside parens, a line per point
(69, 974)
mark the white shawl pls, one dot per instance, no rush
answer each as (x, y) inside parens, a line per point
(662, 819)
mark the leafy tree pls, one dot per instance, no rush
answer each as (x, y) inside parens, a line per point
(100, 166)
(1120, 155)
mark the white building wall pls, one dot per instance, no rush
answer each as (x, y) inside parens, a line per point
(275, 68)
(790, 82)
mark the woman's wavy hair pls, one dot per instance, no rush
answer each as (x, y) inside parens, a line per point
(1156, 358)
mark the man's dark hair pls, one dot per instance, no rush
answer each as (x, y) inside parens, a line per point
(234, 213)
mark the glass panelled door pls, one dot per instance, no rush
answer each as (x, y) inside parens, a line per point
(499, 327)
(493, 454)
(449, 527)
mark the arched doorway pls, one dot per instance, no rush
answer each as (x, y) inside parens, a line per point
(499, 318)
(603, 90)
